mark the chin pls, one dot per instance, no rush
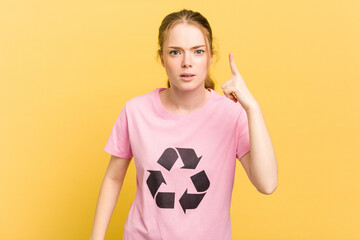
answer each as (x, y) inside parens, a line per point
(188, 86)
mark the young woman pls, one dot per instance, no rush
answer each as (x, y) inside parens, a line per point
(185, 140)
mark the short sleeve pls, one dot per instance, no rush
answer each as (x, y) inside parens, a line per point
(118, 143)
(243, 138)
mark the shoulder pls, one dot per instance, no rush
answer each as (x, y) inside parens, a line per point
(227, 105)
(139, 100)
(140, 103)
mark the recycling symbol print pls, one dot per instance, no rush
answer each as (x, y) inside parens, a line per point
(200, 180)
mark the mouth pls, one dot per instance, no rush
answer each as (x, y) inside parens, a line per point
(187, 76)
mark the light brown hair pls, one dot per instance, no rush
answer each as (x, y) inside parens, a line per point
(190, 17)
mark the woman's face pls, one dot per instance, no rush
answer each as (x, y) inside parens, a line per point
(186, 57)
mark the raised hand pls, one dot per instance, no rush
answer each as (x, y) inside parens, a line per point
(236, 89)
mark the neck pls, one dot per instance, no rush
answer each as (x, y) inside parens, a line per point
(186, 101)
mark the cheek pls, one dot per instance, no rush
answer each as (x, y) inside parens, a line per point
(204, 64)
(171, 68)
(174, 63)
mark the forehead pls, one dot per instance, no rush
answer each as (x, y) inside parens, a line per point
(185, 35)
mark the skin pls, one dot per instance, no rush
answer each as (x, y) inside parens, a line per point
(260, 163)
(186, 96)
(180, 56)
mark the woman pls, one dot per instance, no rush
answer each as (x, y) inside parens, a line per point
(185, 140)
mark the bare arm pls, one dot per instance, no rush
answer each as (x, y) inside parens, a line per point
(109, 193)
(260, 163)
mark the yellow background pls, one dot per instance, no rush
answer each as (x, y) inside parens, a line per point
(68, 67)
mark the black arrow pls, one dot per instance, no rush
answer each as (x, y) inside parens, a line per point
(188, 157)
(200, 181)
(168, 158)
(190, 201)
(165, 199)
(154, 181)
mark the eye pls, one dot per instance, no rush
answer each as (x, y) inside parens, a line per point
(200, 51)
(174, 52)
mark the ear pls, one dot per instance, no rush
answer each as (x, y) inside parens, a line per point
(161, 58)
(162, 61)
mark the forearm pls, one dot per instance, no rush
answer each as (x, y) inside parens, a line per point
(107, 200)
(263, 165)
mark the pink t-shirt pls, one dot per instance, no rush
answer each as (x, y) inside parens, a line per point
(185, 166)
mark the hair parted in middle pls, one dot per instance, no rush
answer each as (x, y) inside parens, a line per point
(190, 17)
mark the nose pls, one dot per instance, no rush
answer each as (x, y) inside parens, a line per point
(187, 61)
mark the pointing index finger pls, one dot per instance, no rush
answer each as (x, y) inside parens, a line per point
(233, 67)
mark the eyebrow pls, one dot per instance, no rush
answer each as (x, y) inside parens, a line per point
(190, 48)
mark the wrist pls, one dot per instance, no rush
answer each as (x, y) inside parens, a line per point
(254, 106)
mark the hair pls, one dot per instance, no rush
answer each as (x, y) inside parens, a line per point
(190, 17)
